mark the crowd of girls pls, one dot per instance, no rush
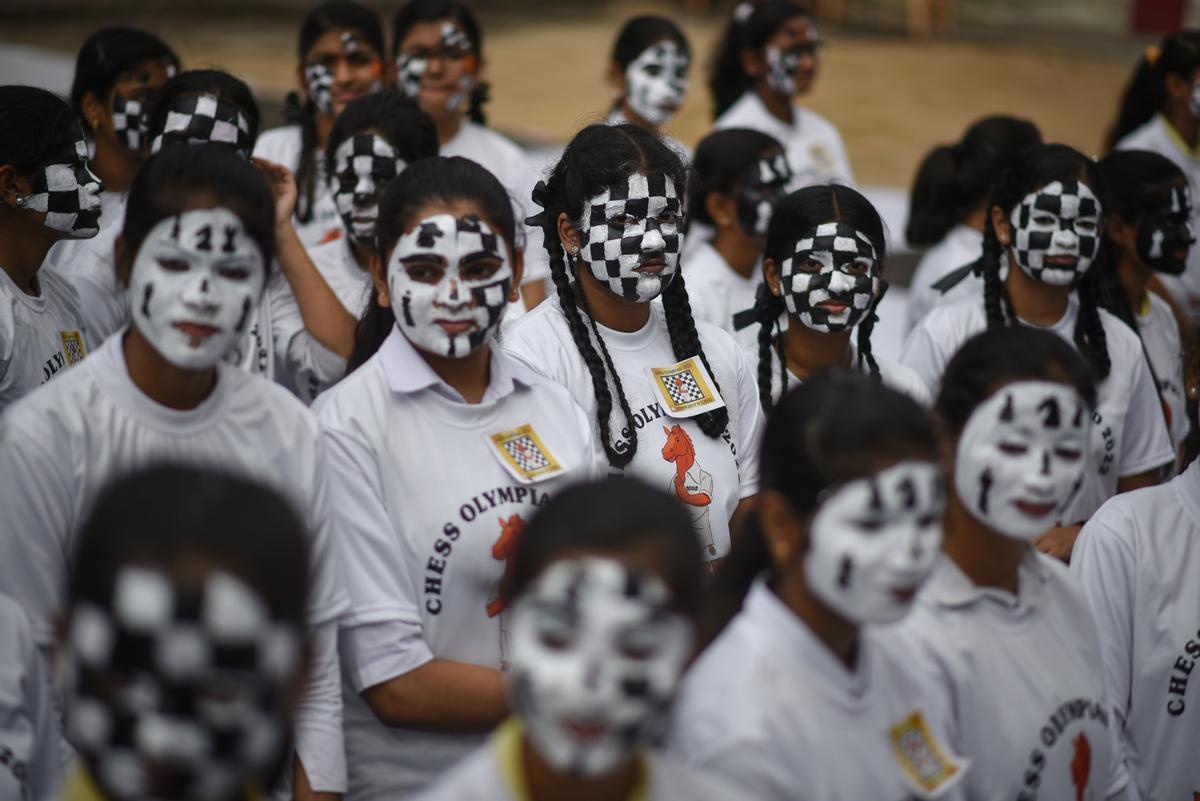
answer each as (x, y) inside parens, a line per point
(359, 459)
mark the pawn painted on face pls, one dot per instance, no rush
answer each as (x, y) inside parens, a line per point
(1165, 235)
(764, 183)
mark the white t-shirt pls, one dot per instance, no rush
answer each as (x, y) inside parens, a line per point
(301, 364)
(1129, 435)
(41, 336)
(617, 117)
(31, 758)
(1160, 335)
(1022, 676)
(815, 150)
(893, 375)
(1138, 559)
(495, 772)
(351, 283)
(428, 515)
(716, 292)
(718, 472)
(90, 265)
(282, 146)
(1159, 137)
(961, 246)
(770, 709)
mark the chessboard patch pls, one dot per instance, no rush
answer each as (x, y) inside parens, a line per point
(685, 388)
(524, 455)
(72, 346)
(926, 766)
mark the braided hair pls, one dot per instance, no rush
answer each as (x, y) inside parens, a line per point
(1037, 167)
(599, 157)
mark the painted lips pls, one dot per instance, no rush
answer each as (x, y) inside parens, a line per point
(197, 332)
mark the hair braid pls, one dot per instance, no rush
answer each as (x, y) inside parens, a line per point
(685, 342)
(865, 356)
(1089, 333)
(306, 169)
(995, 296)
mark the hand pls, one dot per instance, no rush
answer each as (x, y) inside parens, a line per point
(283, 187)
(1059, 541)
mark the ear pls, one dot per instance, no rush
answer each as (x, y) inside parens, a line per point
(94, 110)
(771, 276)
(753, 63)
(1001, 226)
(616, 79)
(1122, 234)
(666, 431)
(379, 279)
(782, 530)
(721, 208)
(568, 234)
(12, 186)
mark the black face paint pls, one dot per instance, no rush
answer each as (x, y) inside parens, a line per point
(1165, 235)
(765, 182)
(128, 119)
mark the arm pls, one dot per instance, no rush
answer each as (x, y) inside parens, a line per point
(441, 696)
(47, 762)
(320, 760)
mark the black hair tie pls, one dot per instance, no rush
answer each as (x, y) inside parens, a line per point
(541, 219)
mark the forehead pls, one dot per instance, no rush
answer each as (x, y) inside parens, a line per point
(836, 237)
(662, 49)
(330, 43)
(1072, 198)
(606, 582)
(365, 143)
(796, 30)
(152, 72)
(428, 34)
(638, 186)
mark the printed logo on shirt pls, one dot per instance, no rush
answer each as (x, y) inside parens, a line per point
(1081, 765)
(1063, 729)
(504, 549)
(19, 769)
(926, 766)
(686, 388)
(1110, 444)
(524, 455)
(73, 348)
(1181, 670)
(692, 484)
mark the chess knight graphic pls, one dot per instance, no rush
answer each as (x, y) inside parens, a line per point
(692, 484)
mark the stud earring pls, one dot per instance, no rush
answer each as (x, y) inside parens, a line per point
(21, 201)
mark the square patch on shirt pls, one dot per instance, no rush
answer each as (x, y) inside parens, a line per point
(927, 767)
(686, 388)
(72, 346)
(524, 455)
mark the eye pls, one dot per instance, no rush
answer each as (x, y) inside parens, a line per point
(653, 70)
(924, 521)
(1013, 448)
(857, 267)
(1044, 219)
(1088, 226)
(555, 637)
(811, 265)
(174, 265)
(360, 59)
(668, 218)
(234, 273)
(1068, 454)
(624, 220)
(639, 645)
(871, 524)
(479, 270)
(424, 272)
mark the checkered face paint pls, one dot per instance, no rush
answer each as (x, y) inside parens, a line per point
(68, 192)
(201, 119)
(597, 653)
(1021, 457)
(781, 70)
(873, 542)
(449, 280)
(178, 693)
(318, 79)
(363, 165)
(832, 278)
(765, 182)
(1056, 232)
(195, 284)
(1165, 234)
(128, 121)
(454, 46)
(657, 81)
(632, 238)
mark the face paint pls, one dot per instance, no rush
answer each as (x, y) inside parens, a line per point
(596, 656)
(446, 289)
(68, 192)
(1020, 457)
(319, 80)
(1194, 100)
(201, 119)
(128, 121)
(1165, 233)
(363, 166)
(195, 284)
(1056, 232)
(832, 278)
(657, 81)
(179, 693)
(765, 182)
(631, 236)
(873, 542)
(454, 46)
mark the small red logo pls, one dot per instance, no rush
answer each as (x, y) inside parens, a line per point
(504, 548)
(1081, 765)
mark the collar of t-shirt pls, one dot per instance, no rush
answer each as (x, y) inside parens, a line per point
(408, 373)
(1187, 487)
(630, 341)
(36, 303)
(79, 786)
(1176, 140)
(949, 586)
(758, 108)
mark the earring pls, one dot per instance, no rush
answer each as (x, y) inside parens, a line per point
(21, 201)
(575, 251)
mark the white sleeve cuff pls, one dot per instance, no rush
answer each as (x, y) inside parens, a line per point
(376, 652)
(319, 716)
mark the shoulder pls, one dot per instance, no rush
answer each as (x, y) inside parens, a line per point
(904, 379)
(353, 397)
(952, 323)
(480, 142)
(671, 779)
(740, 114)
(722, 350)
(1129, 516)
(57, 410)
(538, 332)
(1162, 318)
(816, 124)
(250, 391)
(57, 287)
(278, 143)
(1141, 138)
(1123, 342)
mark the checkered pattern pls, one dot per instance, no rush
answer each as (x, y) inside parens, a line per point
(73, 349)
(410, 70)
(361, 160)
(1068, 201)
(682, 388)
(68, 192)
(657, 81)
(614, 250)
(764, 183)
(129, 123)
(200, 119)
(525, 452)
(319, 80)
(836, 246)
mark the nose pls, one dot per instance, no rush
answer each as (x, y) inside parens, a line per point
(840, 282)
(342, 72)
(653, 240)
(1066, 235)
(1045, 471)
(364, 191)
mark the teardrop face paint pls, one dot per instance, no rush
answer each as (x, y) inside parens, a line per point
(658, 81)
(832, 278)
(1165, 235)
(1056, 232)
(363, 165)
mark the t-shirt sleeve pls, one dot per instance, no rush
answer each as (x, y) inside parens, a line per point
(749, 424)
(1145, 443)
(311, 366)
(8, 338)
(47, 761)
(924, 354)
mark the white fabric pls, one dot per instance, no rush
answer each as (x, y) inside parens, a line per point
(301, 364)
(337, 265)
(814, 146)
(60, 446)
(32, 329)
(423, 498)
(90, 264)
(282, 146)
(893, 374)
(542, 339)
(960, 247)
(1160, 336)
(1137, 559)
(1127, 425)
(716, 292)
(1022, 675)
(31, 755)
(770, 709)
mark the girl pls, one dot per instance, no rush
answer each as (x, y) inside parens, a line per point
(197, 236)
(441, 447)
(649, 71)
(438, 48)
(607, 584)
(47, 194)
(1137, 560)
(183, 645)
(737, 176)
(341, 58)
(823, 267)
(1045, 218)
(798, 689)
(117, 72)
(1160, 112)
(765, 62)
(1148, 231)
(1016, 649)
(681, 390)
(948, 207)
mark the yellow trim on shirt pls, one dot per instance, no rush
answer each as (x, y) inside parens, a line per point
(1177, 140)
(79, 786)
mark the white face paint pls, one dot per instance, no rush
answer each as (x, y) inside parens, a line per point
(873, 542)
(781, 71)
(631, 236)
(597, 653)
(832, 277)
(195, 284)
(1056, 232)
(449, 280)
(67, 190)
(363, 166)
(657, 81)
(1020, 457)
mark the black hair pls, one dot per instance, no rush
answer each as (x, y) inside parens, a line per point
(1035, 168)
(719, 164)
(600, 157)
(612, 516)
(173, 516)
(727, 79)
(329, 16)
(108, 53)
(194, 82)
(955, 180)
(461, 14)
(395, 117)
(39, 123)
(1146, 93)
(437, 179)
(177, 174)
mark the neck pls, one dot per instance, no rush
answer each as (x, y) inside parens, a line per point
(115, 166)
(608, 309)
(977, 218)
(469, 375)
(362, 255)
(637, 119)
(837, 633)
(810, 352)
(1035, 302)
(448, 126)
(987, 557)
(739, 251)
(779, 105)
(1134, 278)
(1185, 124)
(546, 784)
(162, 382)
(324, 124)
(23, 248)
